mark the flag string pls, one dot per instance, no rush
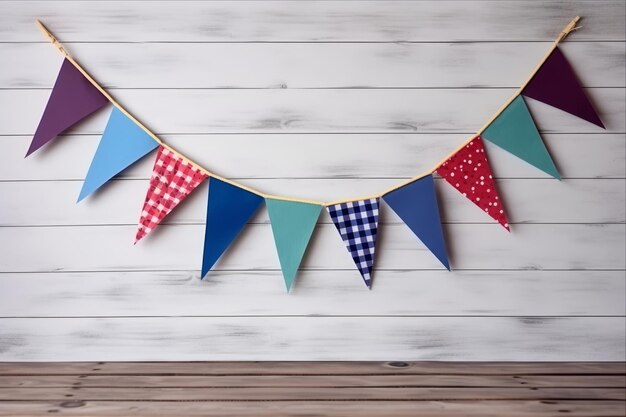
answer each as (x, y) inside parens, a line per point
(571, 26)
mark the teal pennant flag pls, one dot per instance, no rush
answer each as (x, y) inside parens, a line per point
(292, 224)
(228, 210)
(122, 144)
(514, 131)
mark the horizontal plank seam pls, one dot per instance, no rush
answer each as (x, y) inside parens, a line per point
(88, 373)
(256, 270)
(238, 387)
(336, 133)
(356, 400)
(175, 223)
(282, 88)
(288, 42)
(139, 316)
(20, 89)
(332, 178)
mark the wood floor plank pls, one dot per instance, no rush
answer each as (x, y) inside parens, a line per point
(311, 368)
(307, 394)
(312, 381)
(317, 408)
(346, 389)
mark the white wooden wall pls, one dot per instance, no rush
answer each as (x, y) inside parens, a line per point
(322, 100)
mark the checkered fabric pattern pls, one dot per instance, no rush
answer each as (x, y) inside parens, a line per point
(357, 223)
(172, 180)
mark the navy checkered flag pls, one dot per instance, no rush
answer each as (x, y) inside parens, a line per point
(357, 223)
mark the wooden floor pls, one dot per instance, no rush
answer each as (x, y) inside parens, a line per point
(312, 389)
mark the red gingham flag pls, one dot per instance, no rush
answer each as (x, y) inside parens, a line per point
(172, 180)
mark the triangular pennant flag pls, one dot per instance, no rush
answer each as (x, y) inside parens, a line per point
(357, 223)
(468, 171)
(72, 99)
(173, 178)
(514, 131)
(122, 143)
(556, 84)
(416, 204)
(292, 225)
(228, 210)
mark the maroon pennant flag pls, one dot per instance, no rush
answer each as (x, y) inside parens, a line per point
(556, 84)
(73, 98)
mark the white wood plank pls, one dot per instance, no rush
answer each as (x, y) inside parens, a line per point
(527, 200)
(381, 21)
(259, 293)
(471, 246)
(310, 65)
(359, 156)
(315, 111)
(314, 338)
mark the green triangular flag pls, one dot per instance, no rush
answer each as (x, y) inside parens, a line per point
(514, 131)
(292, 225)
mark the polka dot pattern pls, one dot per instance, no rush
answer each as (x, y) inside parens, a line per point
(468, 171)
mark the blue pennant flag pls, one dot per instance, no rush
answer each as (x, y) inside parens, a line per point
(357, 223)
(228, 210)
(416, 204)
(122, 144)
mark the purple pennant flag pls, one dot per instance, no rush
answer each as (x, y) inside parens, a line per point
(556, 84)
(73, 98)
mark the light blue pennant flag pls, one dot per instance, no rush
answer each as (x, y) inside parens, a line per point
(416, 204)
(122, 144)
(292, 225)
(228, 210)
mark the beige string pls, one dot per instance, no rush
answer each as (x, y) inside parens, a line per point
(571, 26)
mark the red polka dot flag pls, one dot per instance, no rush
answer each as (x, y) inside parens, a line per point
(468, 171)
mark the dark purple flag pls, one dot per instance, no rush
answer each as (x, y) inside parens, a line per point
(73, 98)
(556, 84)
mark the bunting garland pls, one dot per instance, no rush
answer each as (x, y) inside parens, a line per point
(231, 205)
